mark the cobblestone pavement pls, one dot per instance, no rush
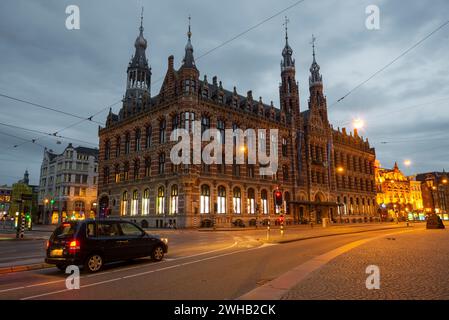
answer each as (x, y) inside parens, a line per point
(413, 266)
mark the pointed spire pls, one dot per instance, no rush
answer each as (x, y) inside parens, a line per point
(315, 77)
(287, 53)
(189, 61)
(141, 22)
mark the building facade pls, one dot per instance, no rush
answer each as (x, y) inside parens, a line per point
(5, 200)
(68, 184)
(398, 196)
(435, 192)
(321, 172)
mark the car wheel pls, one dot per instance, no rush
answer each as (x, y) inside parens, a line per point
(61, 267)
(157, 254)
(94, 263)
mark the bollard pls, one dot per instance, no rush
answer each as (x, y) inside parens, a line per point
(268, 231)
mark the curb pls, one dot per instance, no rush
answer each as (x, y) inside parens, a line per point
(29, 267)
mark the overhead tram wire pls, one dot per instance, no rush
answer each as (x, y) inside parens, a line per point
(73, 124)
(158, 80)
(47, 108)
(391, 62)
(381, 115)
(44, 133)
(242, 33)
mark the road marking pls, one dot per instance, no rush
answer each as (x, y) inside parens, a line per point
(118, 270)
(147, 272)
(12, 289)
(277, 288)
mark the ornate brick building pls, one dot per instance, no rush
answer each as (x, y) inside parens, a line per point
(398, 196)
(322, 172)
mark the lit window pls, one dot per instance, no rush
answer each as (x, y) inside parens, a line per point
(221, 200)
(237, 201)
(146, 202)
(264, 196)
(205, 199)
(124, 209)
(174, 200)
(135, 203)
(251, 202)
(160, 200)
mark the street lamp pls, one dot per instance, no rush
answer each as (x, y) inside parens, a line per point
(358, 123)
(407, 163)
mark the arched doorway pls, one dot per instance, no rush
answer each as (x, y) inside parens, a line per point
(318, 208)
(104, 211)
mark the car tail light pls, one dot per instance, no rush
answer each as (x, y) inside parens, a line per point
(74, 245)
(47, 244)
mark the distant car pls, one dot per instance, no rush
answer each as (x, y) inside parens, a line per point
(93, 243)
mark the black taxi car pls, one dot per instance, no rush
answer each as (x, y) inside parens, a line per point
(93, 243)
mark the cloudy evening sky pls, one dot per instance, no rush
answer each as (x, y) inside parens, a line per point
(83, 71)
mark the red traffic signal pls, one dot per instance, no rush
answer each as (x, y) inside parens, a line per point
(278, 198)
(281, 219)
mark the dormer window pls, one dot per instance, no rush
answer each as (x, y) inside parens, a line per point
(205, 93)
(220, 98)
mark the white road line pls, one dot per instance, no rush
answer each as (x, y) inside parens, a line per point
(12, 289)
(147, 272)
(114, 271)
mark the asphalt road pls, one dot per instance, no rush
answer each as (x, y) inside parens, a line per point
(224, 269)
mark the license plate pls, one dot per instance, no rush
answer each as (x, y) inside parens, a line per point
(56, 253)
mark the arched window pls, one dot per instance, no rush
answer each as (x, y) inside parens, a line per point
(127, 143)
(147, 167)
(135, 203)
(205, 199)
(117, 173)
(161, 163)
(126, 171)
(175, 123)
(264, 198)
(137, 140)
(162, 133)
(118, 145)
(251, 201)
(148, 131)
(106, 175)
(237, 201)
(124, 209)
(107, 150)
(205, 123)
(160, 201)
(136, 169)
(174, 199)
(221, 200)
(146, 202)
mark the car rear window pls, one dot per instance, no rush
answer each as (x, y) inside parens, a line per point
(65, 230)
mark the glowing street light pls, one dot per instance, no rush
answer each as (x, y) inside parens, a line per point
(340, 169)
(407, 163)
(358, 123)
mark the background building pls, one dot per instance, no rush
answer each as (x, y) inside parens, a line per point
(435, 191)
(68, 184)
(398, 196)
(323, 173)
(20, 189)
(5, 200)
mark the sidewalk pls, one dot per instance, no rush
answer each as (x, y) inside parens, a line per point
(306, 232)
(412, 266)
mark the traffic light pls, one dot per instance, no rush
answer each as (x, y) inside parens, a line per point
(278, 198)
(52, 201)
(281, 220)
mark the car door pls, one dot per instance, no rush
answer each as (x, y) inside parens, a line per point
(138, 244)
(110, 240)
